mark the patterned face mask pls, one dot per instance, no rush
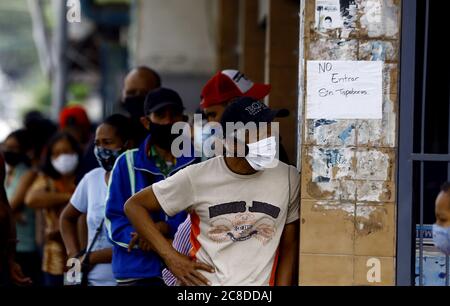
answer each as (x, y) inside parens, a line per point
(106, 158)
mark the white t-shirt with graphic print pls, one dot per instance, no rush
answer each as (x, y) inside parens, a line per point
(237, 220)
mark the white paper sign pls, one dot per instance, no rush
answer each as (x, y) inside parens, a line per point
(344, 90)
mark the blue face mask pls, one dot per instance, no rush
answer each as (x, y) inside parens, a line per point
(106, 158)
(441, 238)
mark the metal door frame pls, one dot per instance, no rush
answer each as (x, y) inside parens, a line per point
(405, 253)
(406, 249)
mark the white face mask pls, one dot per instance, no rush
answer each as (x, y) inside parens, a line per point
(65, 163)
(441, 238)
(263, 154)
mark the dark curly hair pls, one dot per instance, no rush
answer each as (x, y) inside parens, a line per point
(122, 125)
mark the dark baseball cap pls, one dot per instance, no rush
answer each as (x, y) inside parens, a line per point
(160, 98)
(248, 110)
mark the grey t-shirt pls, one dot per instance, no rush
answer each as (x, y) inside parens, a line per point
(237, 220)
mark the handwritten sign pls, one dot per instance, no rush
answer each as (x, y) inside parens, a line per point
(344, 90)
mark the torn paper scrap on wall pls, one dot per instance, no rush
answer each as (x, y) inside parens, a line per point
(334, 14)
(380, 18)
(330, 164)
(333, 49)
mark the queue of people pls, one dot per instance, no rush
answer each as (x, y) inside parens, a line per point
(132, 213)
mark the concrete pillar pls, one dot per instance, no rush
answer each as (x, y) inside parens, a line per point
(252, 41)
(282, 43)
(348, 209)
(228, 34)
(59, 78)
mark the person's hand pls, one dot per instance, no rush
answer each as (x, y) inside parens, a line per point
(17, 276)
(142, 243)
(133, 242)
(186, 270)
(82, 258)
(76, 254)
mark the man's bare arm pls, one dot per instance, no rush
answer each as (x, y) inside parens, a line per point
(42, 199)
(138, 208)
(287, 270)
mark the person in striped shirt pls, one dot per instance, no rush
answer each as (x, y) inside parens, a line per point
(182, 244)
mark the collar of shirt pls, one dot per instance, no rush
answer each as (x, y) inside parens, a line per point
(164, 166)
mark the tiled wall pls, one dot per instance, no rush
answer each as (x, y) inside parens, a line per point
(227, 34)
(348, 212)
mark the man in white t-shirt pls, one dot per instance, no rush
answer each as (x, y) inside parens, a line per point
(244, 210)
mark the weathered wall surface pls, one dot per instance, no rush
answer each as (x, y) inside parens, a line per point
(348, 210)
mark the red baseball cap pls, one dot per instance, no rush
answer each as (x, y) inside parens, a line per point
(229, 84)
(74, 116)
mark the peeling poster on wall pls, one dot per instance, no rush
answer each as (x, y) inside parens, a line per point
(334, 14)
(344, 90)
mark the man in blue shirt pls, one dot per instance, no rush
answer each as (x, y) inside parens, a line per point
(134, 171)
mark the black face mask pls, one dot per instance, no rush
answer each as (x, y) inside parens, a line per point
(162, 135)
(13, 158)
(134, 105)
